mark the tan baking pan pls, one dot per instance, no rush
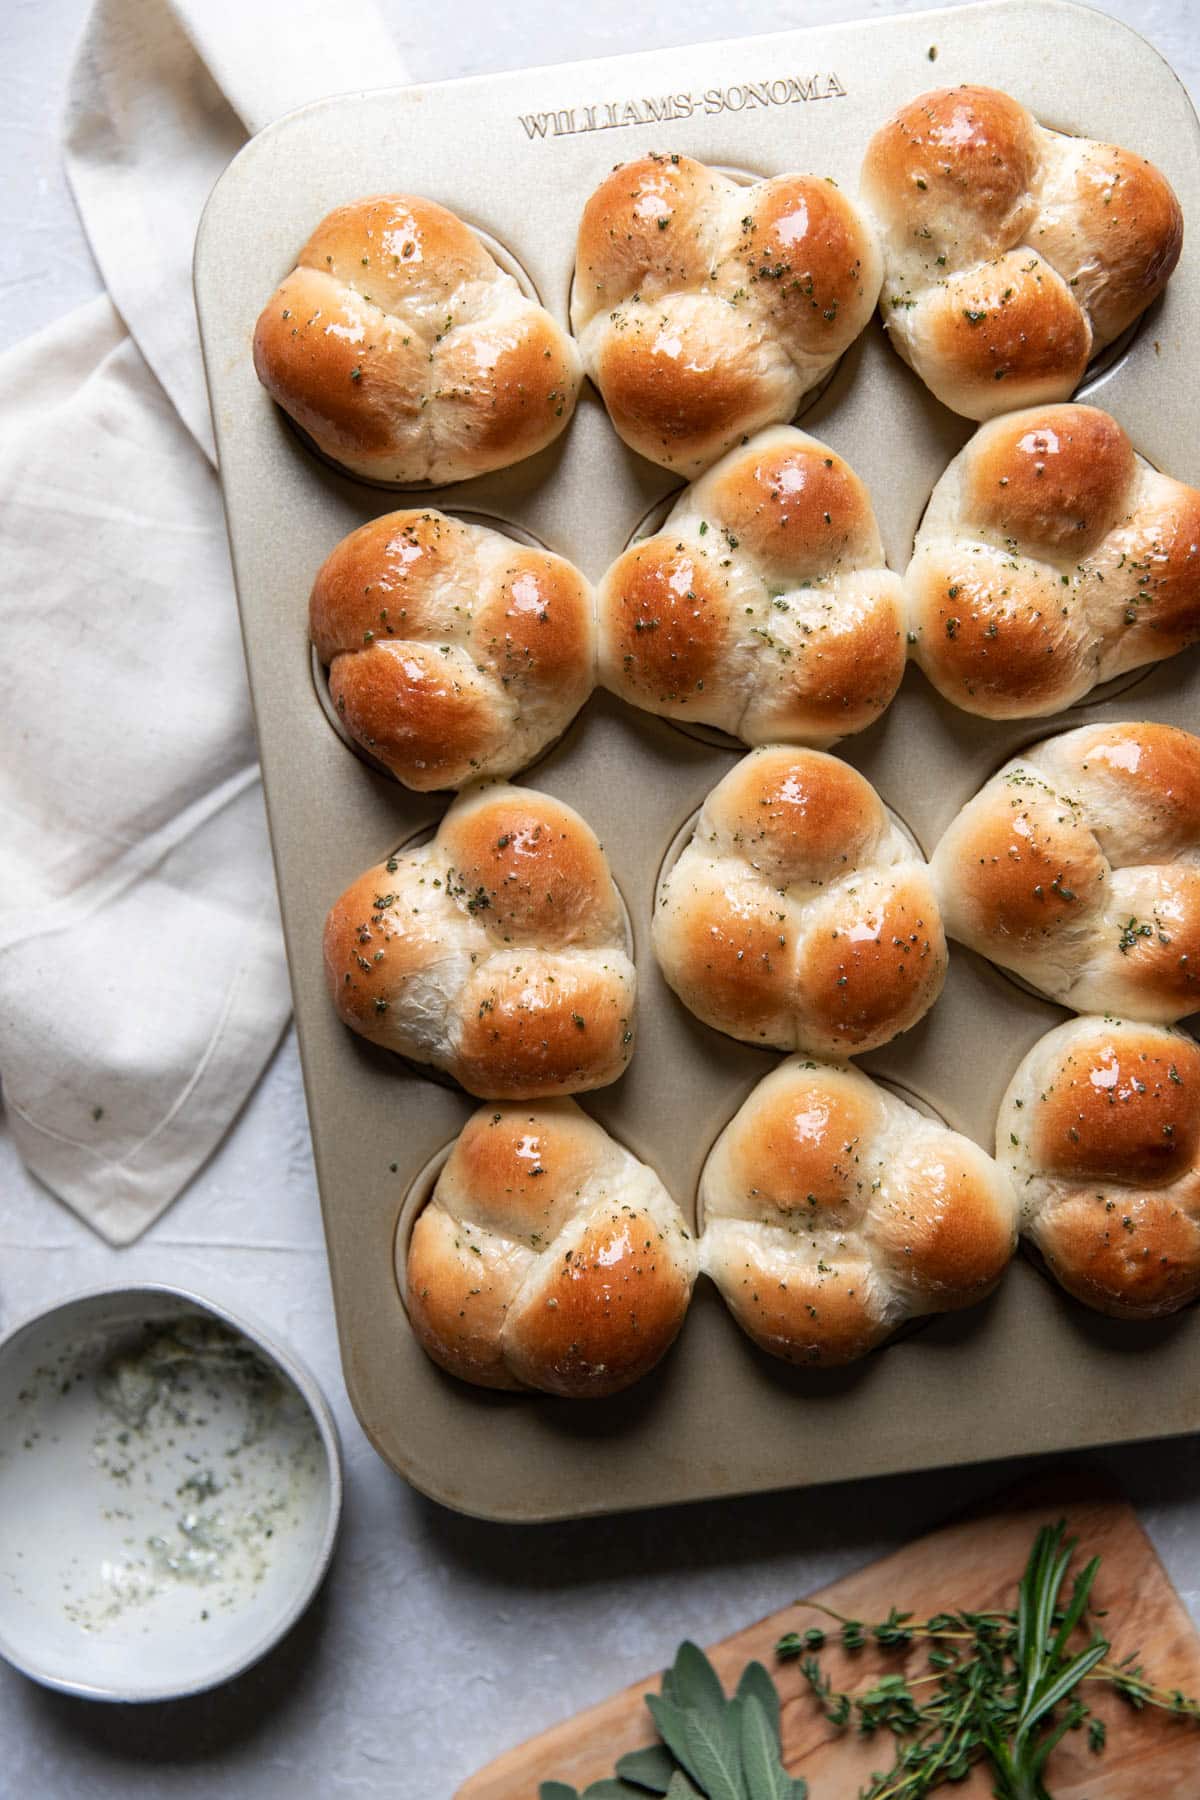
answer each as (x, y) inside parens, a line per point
(517, 155)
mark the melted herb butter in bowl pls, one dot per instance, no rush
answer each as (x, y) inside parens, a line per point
(201, 1439)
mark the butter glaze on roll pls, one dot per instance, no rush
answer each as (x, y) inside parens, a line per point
(1100, 1130)
(798, 915)
(706, 309)
(496, 952)
(763, 606)
(1011, 254)
(1050, 558)
(407, 354)
(548, 1257)
(1078, 868)
(834, 1212)
(453, 652)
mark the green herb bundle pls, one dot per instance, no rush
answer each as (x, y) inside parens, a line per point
(712, 1748)
(1001, 1687)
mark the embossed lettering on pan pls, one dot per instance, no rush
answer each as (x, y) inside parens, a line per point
(669, 109)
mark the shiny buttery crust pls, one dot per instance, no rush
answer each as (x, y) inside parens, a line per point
(1100, 1130)
(496, 952)
(798, 914)
(1011, 253)
(453, 652)
(763, 605)
(406, 354)
(548, 1257)
(833, 1212)
(1078, 868)
(1050, 558)
(705, 309)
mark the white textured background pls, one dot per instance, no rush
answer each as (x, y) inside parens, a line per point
(438, 1641)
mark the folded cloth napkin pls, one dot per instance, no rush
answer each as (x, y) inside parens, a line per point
(142, 980)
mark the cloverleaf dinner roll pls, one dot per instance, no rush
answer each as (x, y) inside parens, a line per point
(706, 309)
(763, 606)
(1100, 1130)
(1012, 254)
(452, 651)
(1078, 868)
(548, 1257)
(406, 354)
(1050, 558)
(834, 1212)
(798, 914)
(495, 952)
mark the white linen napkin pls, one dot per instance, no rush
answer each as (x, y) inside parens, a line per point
(142, 980)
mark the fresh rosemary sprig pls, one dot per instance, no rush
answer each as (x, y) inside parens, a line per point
(1001, 1687)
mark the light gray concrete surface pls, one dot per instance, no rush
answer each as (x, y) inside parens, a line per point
(438, 1641)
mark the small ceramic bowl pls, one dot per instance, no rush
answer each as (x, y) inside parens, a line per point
(170, 1488)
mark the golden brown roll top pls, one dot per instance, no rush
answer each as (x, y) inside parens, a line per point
(548, 1257)
(706, 309)
(833, 1212)
(763, 606)
(1100, 1130)
(496, 952)
(453, 652)
(798, 914)
(407, 354)
(1078, 868)
(1050, 558)
(1011, 253)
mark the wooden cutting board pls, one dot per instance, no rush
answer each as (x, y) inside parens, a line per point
(975, 1564)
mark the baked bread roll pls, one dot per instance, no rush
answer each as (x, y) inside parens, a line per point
(1100, 1130)
(496, 952)
(406, 354)
(833, 1212)
(548, 1257)
(705, 309)
(453, 652)
(1050, 558)
(1078, 868)
(1012, 254)
(798, 914)
(763, 606)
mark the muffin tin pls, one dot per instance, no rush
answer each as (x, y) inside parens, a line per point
(517, 155)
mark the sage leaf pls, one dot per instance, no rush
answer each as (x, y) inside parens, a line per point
(682, 1789)
(766, 1778)
(610, 1789)
(652, 1768)
(694, 1683)
(757, 1682)
(672, 1723)
(713, 1757)
(556, 1790)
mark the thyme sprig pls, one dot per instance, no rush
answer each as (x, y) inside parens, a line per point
(1001, 1687)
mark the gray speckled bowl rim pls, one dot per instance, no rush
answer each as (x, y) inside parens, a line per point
(314, 1399)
